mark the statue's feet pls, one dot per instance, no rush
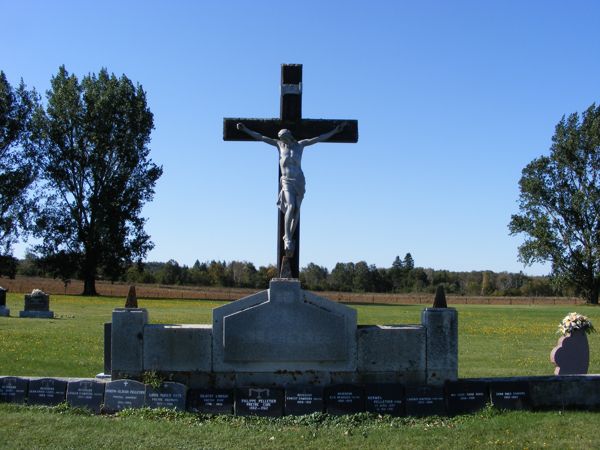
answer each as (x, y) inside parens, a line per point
(288, 247)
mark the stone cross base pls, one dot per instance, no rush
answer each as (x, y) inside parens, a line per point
(37, 314)
(285, 336)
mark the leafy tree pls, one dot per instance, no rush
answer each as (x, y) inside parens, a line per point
(314, 277)
(92, 141)
(17, 170)
(409, 262)
(559, 205)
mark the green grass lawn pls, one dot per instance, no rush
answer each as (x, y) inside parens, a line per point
(493, 340)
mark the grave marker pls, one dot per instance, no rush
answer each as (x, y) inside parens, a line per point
(300, 400)
(385, 399)
(210, 401)
(510, 395)
(168, 395)
(258, 401)
(86, 394)
(4, 311)
(13, 389)
(123, 394)
(466, 396)
(46, 391)
(425, 401)
(37, 305)
(344, 399)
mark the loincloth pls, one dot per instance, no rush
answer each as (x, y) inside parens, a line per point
(295, 186)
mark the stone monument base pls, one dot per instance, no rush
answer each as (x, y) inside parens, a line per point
(5, 312)
(37, 314)
(285, 336)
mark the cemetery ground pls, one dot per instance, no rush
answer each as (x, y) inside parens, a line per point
(494, 341)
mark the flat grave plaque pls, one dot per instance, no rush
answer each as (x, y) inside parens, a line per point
(465, 397)
(257, 401)
(86, 394)
(210, 401)
(385, 399)
(168, 395)
(46, 391)
(510, 394)
(13, 389)
(425, 401)
(344, 399)
(301, 400)
(122, 394)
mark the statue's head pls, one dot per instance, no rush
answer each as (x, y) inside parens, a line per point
(285, 135)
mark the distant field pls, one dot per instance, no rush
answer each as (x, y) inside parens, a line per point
(494, 340)
(27, 284)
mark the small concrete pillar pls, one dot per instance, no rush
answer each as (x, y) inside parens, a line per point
(127, 341)
(442, 344)
(4, 311)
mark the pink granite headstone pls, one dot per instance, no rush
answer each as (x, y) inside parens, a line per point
(572, 354)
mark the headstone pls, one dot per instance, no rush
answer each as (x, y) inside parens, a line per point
(571, 354)
(510, 394)
(37, 305)
(13, 389)
(86, 394)
(385, 399)
(300, 400)
(168, 395)
(344, 399)
(465, 397)
(258, 401)
(131, 301)
(210, 401)
(4, 311)
(107, 347)
(123, 394)
(425, 401)
(46, 391)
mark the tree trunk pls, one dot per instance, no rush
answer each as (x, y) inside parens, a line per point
(592, 296)
(89, 285)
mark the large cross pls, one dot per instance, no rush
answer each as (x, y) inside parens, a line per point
(290, 118)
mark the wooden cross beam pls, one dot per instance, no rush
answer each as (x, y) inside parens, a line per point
(290, 118)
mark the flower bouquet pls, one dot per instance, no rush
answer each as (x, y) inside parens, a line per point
(574, 321)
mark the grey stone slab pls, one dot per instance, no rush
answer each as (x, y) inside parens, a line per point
(284, 328)
(385, 399)
(46, 391)
(344, 399)
(546, 394)
(282, 378)
(259, 401)
(173, 348)
(127, 341)
(107, 347)
(123, 394)
(301, 400)
(582, 392)
(86, 394)
(405, 377)
(13, 389)
(210, 401)
(442, 344)
(388, 348)
(4, 311)
(425, 401)
(169, 395)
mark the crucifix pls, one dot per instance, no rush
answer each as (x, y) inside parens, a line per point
(290, 134)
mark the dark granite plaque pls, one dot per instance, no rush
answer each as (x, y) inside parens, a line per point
(168, 395)
(465, 397)
(425, 401)
(107, 348)
(344, 399)
(257, 401)
(510, 394)
(301, 400)
(39, 302)
(210, 401)
(13, 389)
(46, 391)
(86, 394)
(385, 399)
(122, 394)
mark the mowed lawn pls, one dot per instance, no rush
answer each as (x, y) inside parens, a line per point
(493, 340)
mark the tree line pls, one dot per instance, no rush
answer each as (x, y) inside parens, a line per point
(401, 277)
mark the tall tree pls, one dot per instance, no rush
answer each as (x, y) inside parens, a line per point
(559, 205)
(17, 170)
(92, 142)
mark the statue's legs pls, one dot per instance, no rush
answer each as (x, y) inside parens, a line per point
(289, 223)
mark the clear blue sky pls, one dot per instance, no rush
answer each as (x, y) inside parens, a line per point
(453, 99)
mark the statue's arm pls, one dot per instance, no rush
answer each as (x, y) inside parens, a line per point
(259, 137)
(323, 137)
